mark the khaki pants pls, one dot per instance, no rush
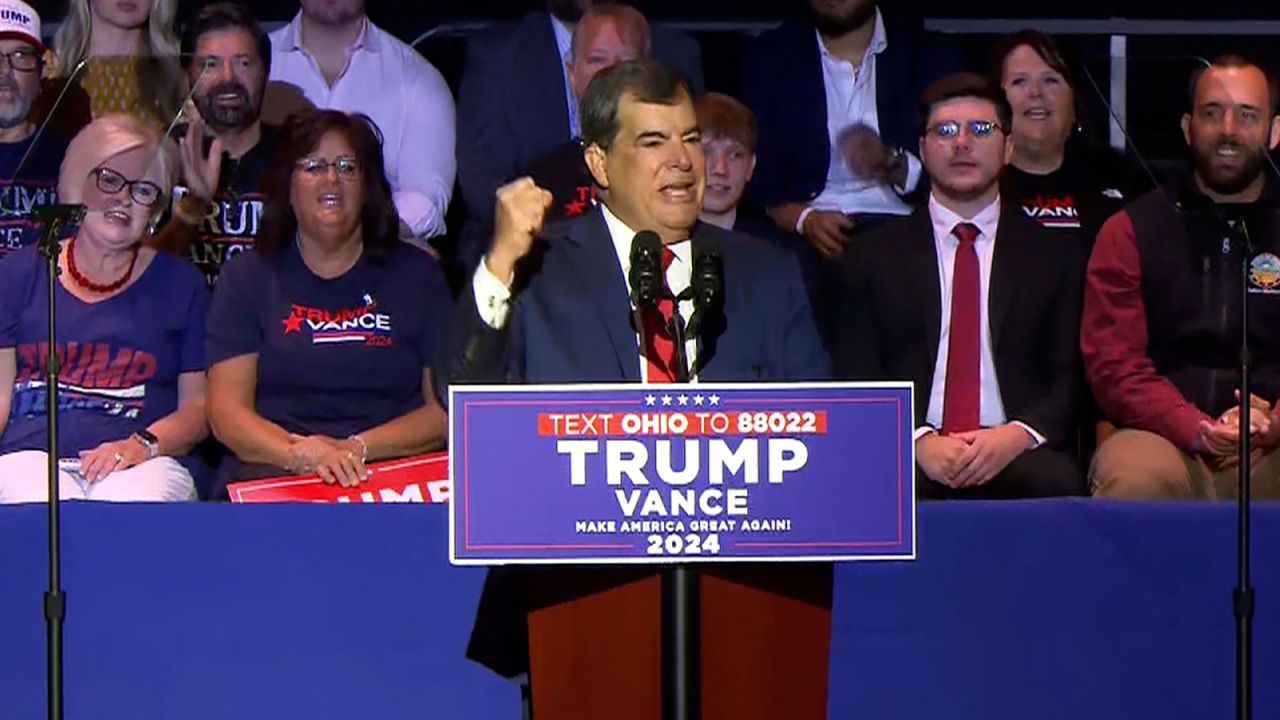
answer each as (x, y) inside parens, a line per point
(1139, 465)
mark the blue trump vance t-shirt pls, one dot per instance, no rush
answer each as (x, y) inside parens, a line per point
(335, 356)
(120, 358)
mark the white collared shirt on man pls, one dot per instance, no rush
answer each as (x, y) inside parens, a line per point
(405, 96)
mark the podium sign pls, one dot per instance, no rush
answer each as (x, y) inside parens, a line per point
(596, 474)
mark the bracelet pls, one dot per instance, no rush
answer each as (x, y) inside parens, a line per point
(800, 220)
(364, 447)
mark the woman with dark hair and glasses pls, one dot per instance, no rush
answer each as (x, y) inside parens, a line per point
(131, 324)
(320, 339)
(1060, 180)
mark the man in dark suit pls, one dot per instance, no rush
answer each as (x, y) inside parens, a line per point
(554, 305)
(604, 36)
(515, 104)
(844, 70)
(974, 304)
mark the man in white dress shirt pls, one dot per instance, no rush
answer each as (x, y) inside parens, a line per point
(332, 55)
(834, 94)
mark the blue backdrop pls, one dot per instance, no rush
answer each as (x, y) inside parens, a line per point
(1054, 609)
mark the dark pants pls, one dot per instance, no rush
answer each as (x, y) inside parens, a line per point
(1043, 472)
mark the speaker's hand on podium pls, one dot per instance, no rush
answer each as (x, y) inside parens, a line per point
(518, 218)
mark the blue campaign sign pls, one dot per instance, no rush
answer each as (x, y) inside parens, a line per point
(664, 473)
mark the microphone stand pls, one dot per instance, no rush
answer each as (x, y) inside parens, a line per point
(54, 217)
(681, 599)
(1243, 597)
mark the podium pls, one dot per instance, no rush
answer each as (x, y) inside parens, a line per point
(595, 646)
(581, 497)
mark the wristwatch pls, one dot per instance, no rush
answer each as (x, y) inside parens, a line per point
(149, 441)
(897, 162)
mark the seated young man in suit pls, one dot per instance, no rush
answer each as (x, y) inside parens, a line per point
(970, 301)
(554, 305)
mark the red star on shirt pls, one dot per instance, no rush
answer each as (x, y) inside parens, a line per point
(293, 323)
(575, 208)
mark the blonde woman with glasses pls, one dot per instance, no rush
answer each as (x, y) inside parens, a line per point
(131, 389)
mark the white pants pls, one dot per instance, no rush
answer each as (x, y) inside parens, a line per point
(23, 478)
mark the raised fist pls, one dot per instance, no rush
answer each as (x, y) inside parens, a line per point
(518, 217)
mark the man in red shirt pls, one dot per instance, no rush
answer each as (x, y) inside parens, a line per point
(1162, 312)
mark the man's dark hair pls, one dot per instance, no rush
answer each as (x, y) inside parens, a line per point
(224, 16)
(1235, 62)
(963, 85)
(647, 81)
(298, 138)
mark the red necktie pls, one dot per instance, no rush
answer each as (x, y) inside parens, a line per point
(660, 346)
(962, 390)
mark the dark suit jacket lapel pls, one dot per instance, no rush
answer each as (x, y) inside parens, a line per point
(589, 249)
(811, 93)
(1006, 263)
(544, 95)
(923, 268)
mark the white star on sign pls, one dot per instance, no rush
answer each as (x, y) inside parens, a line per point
(650, 400)
(715, 399)
(684, 400)
(666, 400)
(697, 400)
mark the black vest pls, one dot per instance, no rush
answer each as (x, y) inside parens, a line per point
(1191, 252)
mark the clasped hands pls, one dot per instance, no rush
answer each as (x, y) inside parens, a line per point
(970, 459)
(335, 461)
(1220, 439)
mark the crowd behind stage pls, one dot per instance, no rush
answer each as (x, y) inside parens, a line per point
(256, 288)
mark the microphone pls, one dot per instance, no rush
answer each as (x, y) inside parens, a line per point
(707, 284)
(62, 212)
(648, 285)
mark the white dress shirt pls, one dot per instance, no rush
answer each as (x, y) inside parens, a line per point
(493, 297)
(407, 98)
(564, 44)
(991, 407)
(851, 100)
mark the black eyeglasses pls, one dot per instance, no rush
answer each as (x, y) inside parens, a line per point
(111, 182)
(346, 166)
(24, 60)
(950, 130)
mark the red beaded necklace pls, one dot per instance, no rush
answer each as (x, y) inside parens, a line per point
(90, 285)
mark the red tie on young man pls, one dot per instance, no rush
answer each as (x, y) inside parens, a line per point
(660, 346)
(962, 391)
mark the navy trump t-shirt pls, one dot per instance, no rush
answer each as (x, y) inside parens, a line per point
(120, 357)
(26, 186)
(335, 356)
